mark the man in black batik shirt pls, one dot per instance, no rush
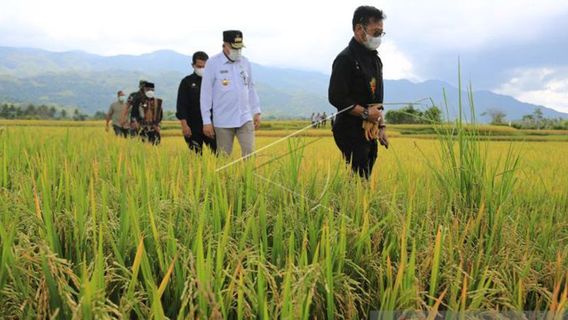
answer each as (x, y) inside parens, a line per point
(356, 90)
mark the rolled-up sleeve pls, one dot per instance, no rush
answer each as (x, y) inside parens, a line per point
(338, 93)
(206, 95)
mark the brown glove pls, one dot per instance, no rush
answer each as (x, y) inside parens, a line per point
(371, 130)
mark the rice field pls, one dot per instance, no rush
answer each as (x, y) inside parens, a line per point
(97, 227)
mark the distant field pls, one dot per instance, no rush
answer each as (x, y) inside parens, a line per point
(277, 128)
(93, 226)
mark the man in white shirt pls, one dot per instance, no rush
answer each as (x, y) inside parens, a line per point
(228, 93)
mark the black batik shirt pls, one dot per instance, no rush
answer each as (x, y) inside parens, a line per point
(356, 79)
(134, 101)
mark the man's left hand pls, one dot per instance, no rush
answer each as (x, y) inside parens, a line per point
(370, 129)
(256, 121)
(375, 114)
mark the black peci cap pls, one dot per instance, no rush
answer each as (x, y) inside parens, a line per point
(149, 85)
(234, 37)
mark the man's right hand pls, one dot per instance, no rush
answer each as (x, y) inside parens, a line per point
(375, 115)
(186, 130)
(208, 131)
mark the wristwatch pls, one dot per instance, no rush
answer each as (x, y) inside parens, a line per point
(365, 114)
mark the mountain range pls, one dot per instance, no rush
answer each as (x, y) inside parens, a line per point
(89, 82)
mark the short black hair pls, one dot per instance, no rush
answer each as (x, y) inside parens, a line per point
(364, 14)
(199, 55)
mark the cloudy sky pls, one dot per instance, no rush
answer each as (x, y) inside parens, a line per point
(514, 47)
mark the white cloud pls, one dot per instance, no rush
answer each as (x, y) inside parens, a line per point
(397, 65)
(441, 25)
(301, 34)
(541, 86)
(298, 32)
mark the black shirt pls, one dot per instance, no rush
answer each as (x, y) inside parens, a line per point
(356, 78)
(134, 101)
(188, 105)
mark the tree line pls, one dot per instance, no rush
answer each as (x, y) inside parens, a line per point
(40, 112)
(411, 115)
(535, 120)
(51, 112)
(406, 115)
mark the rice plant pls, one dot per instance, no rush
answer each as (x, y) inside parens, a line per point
(92, 226)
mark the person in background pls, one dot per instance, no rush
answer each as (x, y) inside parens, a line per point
(133, 102)
(188, 106)
(229, 103)
(150, 114)
(114, 113)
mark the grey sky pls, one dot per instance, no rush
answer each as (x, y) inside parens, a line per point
(514, 47)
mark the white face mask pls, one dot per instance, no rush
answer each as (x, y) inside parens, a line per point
(199, 71)
(372, 43)
(235, 54)
(121, 99)
(150, 94)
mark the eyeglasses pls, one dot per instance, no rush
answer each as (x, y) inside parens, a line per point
(377, 33)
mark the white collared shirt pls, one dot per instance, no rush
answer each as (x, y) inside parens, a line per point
(227, 90)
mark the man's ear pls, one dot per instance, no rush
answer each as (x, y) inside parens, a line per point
(359, 28)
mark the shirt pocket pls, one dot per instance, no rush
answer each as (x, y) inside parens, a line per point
(359, 76)
(361, 84)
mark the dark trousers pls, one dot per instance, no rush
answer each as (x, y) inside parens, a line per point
(120, 131)
(150, 135)
(133, 131)
(357, 152)
(196, 141)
